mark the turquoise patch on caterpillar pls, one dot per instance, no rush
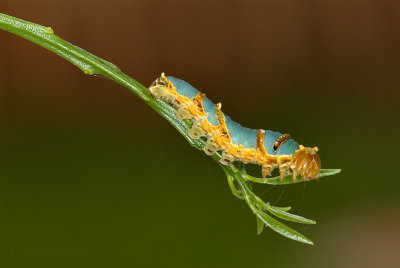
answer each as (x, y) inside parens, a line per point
(239, 135)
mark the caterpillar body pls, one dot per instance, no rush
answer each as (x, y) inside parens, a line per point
(267, 148)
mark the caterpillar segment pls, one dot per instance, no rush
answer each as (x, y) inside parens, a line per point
(193, 109)
(231, 154)
(266, 148)
(220, 138)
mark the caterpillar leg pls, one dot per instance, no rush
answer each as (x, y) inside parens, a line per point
(196, 131)
(183, 113)
(226, 158)
(266, 170)
(283, 162)
(231, 154)
(211, 148)
(283, 170)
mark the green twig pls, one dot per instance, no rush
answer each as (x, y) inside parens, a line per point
(236, 173)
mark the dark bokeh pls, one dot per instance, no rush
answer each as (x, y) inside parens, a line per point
(92, 177)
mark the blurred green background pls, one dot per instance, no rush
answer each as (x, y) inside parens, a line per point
(90, 176)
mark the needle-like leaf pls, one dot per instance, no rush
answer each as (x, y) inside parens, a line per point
(282, 229)
(288, 179)
(280, 208)
(260, 225)
(289, 217)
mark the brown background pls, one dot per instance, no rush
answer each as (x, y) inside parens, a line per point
(92, 177)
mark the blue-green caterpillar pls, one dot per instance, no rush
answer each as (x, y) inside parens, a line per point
(267, 148)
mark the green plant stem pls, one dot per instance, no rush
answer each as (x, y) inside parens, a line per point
(91, 64)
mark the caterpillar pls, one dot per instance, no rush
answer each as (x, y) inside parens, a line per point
(266, 148)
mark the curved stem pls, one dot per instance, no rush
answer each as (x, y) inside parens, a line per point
(91, 64)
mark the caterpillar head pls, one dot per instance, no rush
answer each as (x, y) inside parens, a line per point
(306, 162)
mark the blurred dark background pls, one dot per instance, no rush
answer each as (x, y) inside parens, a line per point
(90, 176)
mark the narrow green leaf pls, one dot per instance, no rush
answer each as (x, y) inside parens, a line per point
(282, 229)
(288, 179)
(260, 226)
(280, 208)
(235, 191)
(289, 217)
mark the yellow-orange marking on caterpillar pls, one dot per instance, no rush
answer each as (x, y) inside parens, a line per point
(305, 160)
(221, 137)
